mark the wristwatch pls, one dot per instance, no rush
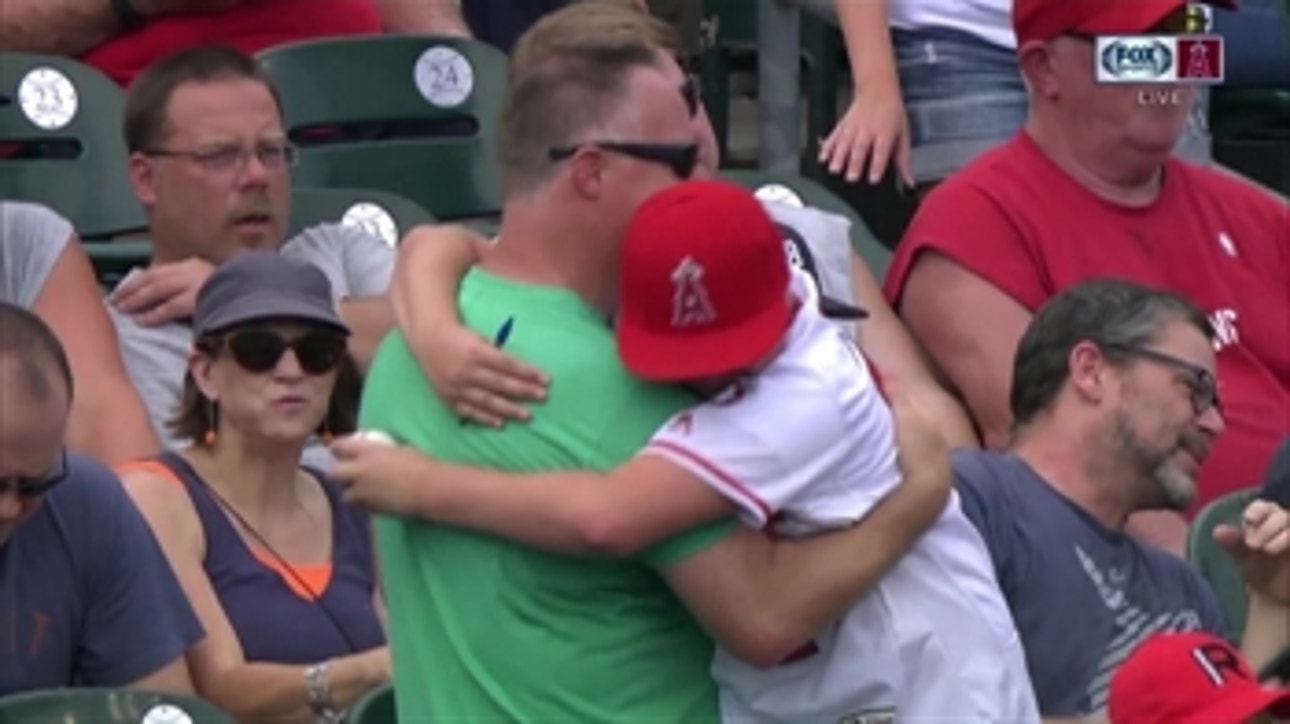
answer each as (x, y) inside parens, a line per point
(318, 689)
(127, 15)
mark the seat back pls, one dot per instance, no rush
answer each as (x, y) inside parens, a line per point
(803, 191)
(1213, 561)
(107, 706)
(384, 215)
(61, 143)
(375, 707)
(412, 115)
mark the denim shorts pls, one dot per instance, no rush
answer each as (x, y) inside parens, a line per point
(965, 96)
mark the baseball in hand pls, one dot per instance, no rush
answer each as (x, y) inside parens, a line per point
(375, 436)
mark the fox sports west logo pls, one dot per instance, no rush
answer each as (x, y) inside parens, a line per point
(1134, 59)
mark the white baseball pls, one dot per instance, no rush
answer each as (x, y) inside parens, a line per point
(375, 436)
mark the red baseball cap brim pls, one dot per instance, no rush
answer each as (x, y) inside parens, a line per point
(1048, 19)
(674, 357)
(1244, 706)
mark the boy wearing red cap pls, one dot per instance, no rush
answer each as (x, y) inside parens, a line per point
(796, 438)
(1192, 678)
(799, 437)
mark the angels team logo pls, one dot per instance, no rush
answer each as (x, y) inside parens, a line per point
(691, 305)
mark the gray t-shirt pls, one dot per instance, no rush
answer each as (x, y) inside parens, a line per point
(357, 264)
(1083, 596)
(32, 238)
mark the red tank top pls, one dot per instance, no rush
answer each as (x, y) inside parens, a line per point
(250, 26)
(1017, 220)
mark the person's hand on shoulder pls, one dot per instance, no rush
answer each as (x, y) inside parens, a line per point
(481, 382)
(163, 292)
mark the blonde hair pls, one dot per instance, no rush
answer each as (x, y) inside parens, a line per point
(568, 75)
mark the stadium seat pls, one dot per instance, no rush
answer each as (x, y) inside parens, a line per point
(376, 707)
(107, 706)
(805, 191)
(1251, 128)
(1213, 561)
(385, 215)
(61, 143)
(412, 115)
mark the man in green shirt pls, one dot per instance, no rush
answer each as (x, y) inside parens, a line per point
(487, 630)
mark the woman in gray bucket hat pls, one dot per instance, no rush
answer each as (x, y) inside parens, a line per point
(279, 569)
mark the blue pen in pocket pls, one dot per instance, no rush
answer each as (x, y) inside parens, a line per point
(499, 341)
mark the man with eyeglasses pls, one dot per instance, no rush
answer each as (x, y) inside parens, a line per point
(1115, 408)
(210, 162)
(1088, 188)
(86, 596)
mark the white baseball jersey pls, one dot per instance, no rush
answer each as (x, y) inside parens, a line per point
(807, 446)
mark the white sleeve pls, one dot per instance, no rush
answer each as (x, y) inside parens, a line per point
(762, 451)
(31, 241)
(356, 263)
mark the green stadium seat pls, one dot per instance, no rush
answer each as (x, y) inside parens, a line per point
(411, 115)
(1213, 561)
(376, 707)
(385, 215)
(808, 192)
(61, 143)
(107, 706)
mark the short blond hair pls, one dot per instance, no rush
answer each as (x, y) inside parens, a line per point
(568, 74)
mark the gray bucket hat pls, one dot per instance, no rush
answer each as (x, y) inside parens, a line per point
(259, 285)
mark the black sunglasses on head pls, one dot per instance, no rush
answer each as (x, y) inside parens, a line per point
(34, 486)
(1200, 381)
(260, 350)
(680, 158)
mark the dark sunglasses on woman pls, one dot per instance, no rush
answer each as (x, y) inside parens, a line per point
(259, 350)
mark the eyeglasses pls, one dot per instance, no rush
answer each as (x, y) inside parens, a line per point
(1200, 381)
(680, 158)
(34, 486)
(258, 351)
(232, 159)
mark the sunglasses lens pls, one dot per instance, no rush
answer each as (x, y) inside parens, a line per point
(319, 353)
(257, 351)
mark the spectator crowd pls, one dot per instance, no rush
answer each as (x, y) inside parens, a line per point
(654, 448)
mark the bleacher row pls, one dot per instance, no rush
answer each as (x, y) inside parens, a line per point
(407, 105)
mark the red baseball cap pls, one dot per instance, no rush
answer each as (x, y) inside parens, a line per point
(1048, 19)
(1190, 678)
(703, 283)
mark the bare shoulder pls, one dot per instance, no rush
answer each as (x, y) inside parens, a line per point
(164, 502)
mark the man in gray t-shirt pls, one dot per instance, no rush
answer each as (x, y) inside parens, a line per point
(1115, 404)
(210, 163)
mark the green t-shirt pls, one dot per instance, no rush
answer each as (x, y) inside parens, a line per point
(484, 630)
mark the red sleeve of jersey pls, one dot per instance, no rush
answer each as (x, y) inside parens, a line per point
(979, 231)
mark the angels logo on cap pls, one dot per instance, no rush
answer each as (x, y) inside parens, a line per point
(691, 305)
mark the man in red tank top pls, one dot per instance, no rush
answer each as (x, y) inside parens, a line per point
(122, 37)
(1089, 189)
